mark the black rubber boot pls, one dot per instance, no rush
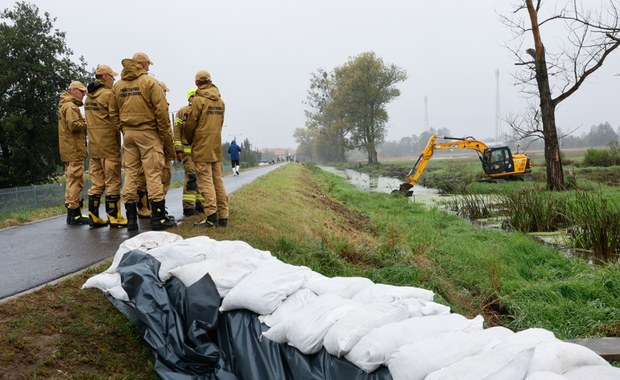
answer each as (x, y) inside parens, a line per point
(159, 219)
(113, 211)
(94, 221)
(199, 207)
(222, 222)
(209, 222)
(75, 217)
(132, 216)
(190, 212)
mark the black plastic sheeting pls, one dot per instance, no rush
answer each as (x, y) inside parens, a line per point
(192, 340)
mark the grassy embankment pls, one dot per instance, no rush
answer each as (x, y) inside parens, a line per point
(307, 217)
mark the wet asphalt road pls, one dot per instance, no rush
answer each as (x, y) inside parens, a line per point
(37, 253)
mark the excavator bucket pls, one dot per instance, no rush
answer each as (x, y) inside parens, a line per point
(404, 190)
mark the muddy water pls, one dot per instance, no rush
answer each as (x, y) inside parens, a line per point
(365, 182)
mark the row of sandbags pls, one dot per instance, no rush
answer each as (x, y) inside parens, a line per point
(368, 324)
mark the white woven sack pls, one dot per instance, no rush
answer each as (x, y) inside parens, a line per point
(345, 333)
(593, 372)
(560, 357)
(373, 349)
(390, 293)
(290, 305)
(415, 361)
(263, 290)
(308, 327)
(420, 308)
(144, 242)
(226, 272)
(344, 287)
(545, 375)
(508, 362)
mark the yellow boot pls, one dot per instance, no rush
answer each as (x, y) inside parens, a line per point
(144, 206)
(113, 210)
(94, 221)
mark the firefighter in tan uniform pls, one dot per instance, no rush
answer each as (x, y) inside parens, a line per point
(203, 130)
(141, 109)
(72, 144)
(104, 149)
(169, 152)
(192, 200)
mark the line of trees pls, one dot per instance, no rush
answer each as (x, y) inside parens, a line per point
(36, 66)
(347, 109)
(600, 135)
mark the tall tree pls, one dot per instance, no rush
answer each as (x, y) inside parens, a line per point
(591, 35)
(363, 87)
(322, 121)
(34, 69)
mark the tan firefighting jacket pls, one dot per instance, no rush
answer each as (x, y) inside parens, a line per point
(71, 129)
(104, 137)
(180, 142)
(203, 128)
(139, 101)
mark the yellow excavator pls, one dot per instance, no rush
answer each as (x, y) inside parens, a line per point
(497, 162)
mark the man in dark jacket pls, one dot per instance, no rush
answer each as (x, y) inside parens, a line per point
(234, 150)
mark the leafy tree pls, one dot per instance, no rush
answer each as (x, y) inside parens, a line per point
(362, 89)
(34, 69)
(323, 122)
(601, 135)
(591, 35)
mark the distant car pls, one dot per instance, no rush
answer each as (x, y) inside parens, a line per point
(263, 163)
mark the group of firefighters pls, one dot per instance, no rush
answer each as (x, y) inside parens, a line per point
(136, 107)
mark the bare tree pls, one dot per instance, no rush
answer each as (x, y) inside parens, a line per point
(589, 33)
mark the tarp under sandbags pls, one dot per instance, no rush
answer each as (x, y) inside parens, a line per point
(225, 310)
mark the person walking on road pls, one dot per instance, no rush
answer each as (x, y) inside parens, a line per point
(203, 131)
(72, 144)
(141, 108)
(234, 150)
(104, 148)
(192, 200)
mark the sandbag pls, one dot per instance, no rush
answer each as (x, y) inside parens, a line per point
(420, 308)
(347, 331)
(307, 327)
(545, 375)
(415, 361)
(263, 290)
(345, 287)
(390, 293)
(559, 357)
(507, 362)
(593, 372)
(290, 305)
(373, 349)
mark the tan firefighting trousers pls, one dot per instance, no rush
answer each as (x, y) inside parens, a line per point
(105, 173)
(74, 178)
(142, 149)
(211, 187)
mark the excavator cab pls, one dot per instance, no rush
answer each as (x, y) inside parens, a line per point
(497, 160)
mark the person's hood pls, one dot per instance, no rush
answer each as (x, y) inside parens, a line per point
(66, 97)
(233, 142)
(209, 91)
(131, 69)
(94, 86)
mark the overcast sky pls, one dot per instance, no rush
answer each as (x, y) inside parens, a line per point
(261, 55)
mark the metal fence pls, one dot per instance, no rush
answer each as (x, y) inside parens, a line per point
(22, 198)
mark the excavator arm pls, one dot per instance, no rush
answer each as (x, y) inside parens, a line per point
(432, 145)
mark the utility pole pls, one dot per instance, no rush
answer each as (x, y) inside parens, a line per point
(426, 113)
(497, 107)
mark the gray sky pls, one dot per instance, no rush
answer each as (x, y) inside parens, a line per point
(261, 54)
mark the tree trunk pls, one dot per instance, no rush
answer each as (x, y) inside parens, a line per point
(555, 174)
(372, 154)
